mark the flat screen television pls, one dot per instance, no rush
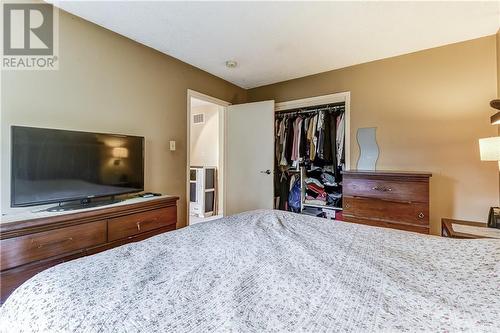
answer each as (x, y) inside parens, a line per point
(55, 166)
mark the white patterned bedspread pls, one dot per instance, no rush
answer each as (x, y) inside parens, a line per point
(269, 271)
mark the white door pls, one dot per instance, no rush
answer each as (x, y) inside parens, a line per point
(249, 157)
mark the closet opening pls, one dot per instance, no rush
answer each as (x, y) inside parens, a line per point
(311, 151)
(205, 194)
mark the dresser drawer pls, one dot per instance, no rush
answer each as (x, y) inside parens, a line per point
(411, 213)
(386, 189)
(134, 224)
(42, 245)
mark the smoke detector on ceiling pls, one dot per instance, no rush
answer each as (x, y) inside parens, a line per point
(231, 64)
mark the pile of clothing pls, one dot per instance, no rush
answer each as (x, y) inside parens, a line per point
(328, 179)
(322, 189)
(315, 192)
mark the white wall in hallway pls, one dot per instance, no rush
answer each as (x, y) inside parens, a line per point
(204, 149)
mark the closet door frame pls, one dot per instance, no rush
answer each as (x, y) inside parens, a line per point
(321, 100)
(222, 146)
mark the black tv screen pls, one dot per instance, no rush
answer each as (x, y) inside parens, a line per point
(50, 165)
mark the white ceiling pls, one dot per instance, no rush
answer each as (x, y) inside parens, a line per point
(277, 41)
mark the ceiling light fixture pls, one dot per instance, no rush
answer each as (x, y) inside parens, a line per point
(231, 64)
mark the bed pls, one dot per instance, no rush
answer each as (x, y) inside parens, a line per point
(269, 271)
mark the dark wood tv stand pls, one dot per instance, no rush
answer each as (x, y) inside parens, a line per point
(29, 246)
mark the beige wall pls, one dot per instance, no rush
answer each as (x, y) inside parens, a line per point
(430, 107)
(108, 83)
(204, 150)
(498, 66)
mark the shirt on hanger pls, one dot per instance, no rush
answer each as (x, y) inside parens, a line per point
(296, 139)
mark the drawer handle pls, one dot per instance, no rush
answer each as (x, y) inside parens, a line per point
(347, 205)
(147, 221)
(421, 215)
(382, 189)
(39, 246)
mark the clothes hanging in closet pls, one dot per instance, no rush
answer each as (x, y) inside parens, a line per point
(289, 139)
(333, 147)
(314, 138)
(297, 132)
(315, 141)
(340, 140)
(282, 189)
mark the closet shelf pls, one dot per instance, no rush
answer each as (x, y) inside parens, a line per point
(320, 206)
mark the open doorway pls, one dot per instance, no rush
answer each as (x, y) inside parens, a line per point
(205, 158)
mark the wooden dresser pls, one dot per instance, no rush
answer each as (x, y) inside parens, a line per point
(31, 245)
(389, 199)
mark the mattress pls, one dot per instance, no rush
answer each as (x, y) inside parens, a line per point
(269, 271)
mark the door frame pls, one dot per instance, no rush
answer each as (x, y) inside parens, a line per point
(321, 100)
(222, 143)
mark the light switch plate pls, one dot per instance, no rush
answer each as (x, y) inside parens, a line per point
(172, 145)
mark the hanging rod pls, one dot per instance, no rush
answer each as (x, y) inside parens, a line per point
(306, 111)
